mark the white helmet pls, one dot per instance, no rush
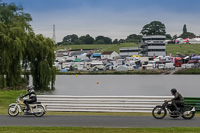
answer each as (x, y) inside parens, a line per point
(29, 88)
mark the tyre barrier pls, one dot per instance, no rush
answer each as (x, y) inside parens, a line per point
(101, 103)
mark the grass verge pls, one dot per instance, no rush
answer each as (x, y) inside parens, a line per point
(188, 71)
(140, 72)
(8, 97)
(99, 113)
(96, 130)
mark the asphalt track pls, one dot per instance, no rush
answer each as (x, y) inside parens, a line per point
(96, 121)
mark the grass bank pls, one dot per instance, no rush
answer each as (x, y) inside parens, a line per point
(8, 97)
(170, 48)
(188, 71)
(97, 130)
(183, 49)
(99, 47)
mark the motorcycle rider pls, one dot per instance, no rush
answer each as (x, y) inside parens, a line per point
(177, 100)
(32, 97)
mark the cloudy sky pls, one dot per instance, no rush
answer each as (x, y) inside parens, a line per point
(112, 18)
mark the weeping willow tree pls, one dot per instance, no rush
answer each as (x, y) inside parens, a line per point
(41, 56)
(19, 44)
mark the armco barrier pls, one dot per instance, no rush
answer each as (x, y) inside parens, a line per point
(101, 103)
(194, 101)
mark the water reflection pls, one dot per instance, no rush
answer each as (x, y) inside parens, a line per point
(126, 85)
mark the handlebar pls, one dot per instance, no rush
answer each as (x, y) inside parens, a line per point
(166, 101)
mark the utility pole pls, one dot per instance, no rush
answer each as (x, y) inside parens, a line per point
(54, 33)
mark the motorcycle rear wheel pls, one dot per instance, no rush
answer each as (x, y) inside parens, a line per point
(185, 113)
(190, 116)
(41, 108)
(159, 113)
(14, 112)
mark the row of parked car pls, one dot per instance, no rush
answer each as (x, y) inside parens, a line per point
(128, 63)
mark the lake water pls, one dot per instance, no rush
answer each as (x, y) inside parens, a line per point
(127, 85)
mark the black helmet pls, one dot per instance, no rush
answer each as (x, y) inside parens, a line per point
(173, 90)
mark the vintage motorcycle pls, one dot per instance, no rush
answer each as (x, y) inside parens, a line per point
(36, 108)
(185, 111)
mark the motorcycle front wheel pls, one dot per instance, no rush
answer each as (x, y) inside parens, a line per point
(13, 111)
(41, 111)
(159, 113)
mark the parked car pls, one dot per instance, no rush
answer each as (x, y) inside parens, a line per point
(187, 65)
(93, 69)
(161, 66)
(122, 68)
(196, 65)
(100, 67)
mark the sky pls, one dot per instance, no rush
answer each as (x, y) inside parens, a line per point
(111, 18)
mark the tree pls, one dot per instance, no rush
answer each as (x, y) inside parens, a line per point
(103, 40)
(99, 42)
(41, 56)
(168, 37)
(187, 35)
(99, 39)
(14, 25)
(154, 28)
(18, 43)
(115, 41)
(184, 29)
(133, 38)
(87, 39)
(107, 40)
(174, 37)
(121, 40)
(70, 38)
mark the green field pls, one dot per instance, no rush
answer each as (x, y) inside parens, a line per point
(96, 130)
(6, 98)
(100, 47)
(183, 49)
(170, 48)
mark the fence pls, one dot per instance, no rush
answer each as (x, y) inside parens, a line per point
(194, 101)
(101, 103)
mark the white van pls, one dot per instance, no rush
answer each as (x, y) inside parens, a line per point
(169, 66)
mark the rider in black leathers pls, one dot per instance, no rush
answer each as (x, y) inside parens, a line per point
(32, 97)
(177, 100)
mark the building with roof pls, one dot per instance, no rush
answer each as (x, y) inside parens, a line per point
(153, 45)
(109, 55)
(129, 51)
(96, 56)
